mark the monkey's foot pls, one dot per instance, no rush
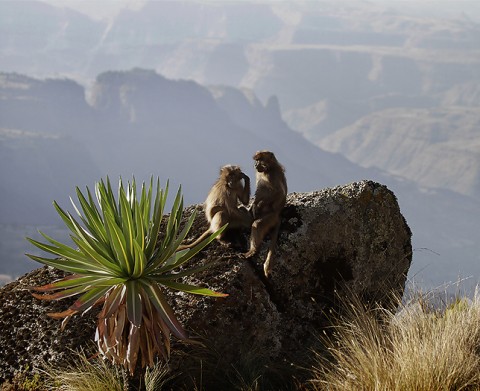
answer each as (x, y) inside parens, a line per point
(267, 269)
(249, 254)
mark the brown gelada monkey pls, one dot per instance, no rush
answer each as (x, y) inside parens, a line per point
(270, 198)
(223, 204)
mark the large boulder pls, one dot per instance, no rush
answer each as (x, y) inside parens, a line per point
(349, 238)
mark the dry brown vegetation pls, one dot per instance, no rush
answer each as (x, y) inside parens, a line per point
(418, 348)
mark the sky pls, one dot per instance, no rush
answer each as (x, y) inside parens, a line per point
(106, 9)
(98, 9)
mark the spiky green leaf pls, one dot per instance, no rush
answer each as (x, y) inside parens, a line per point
(192, 252)
(93, 220)
(134, 302)
(73, 280)
(117, 242)
(89, 299)
(67, 266)
(192, 289)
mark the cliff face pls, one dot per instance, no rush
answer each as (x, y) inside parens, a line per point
(349, 238)
(437, 147)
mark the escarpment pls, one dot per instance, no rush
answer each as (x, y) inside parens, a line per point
(350, 238)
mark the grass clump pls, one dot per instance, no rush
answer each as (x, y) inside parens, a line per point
(97, 374)
(417, 348)
(86, 375)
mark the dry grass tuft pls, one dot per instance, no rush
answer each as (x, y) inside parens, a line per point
(85, 375)
(416, 349)
(100, 375)
(157, 377)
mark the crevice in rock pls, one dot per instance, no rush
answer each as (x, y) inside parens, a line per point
(267, 283)
(332, 273)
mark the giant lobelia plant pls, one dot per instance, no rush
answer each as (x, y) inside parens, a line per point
(123, 258)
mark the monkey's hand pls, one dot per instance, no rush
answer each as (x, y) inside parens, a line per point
(253, 211)
(245, 177)
(257, 208)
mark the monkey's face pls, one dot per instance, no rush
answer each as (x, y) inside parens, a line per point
(233, 179)
(232, 174)
(263, 160)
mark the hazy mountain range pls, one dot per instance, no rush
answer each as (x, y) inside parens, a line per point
(395, 92)
(144, 124)
(141, 124)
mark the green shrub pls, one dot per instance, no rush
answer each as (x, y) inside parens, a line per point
(120, 264)
(24, 380)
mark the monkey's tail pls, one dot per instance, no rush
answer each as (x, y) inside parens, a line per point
(190, 245)
(267, 267)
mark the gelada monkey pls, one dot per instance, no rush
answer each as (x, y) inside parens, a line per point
(270, 198)
(222, 205)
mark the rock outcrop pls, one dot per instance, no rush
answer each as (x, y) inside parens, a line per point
(350, 237)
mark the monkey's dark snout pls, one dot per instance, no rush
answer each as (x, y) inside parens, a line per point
(259, 166)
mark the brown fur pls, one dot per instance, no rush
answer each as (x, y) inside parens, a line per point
(270, 198)
(222, 204)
